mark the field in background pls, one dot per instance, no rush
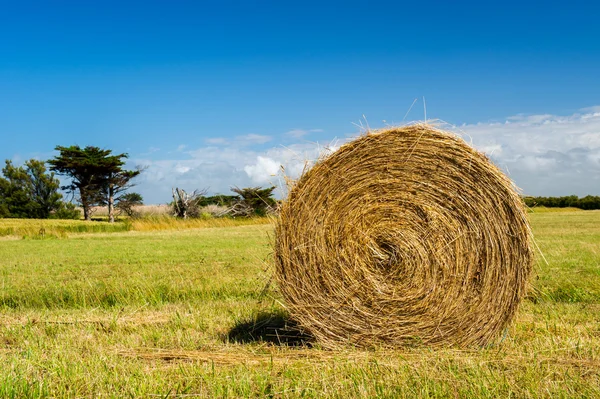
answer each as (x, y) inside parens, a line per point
(55, 228)
(150, 218)
(182, 311)
(143, 210)
(543, 209)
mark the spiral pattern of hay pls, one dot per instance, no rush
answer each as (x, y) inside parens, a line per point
(405, 235)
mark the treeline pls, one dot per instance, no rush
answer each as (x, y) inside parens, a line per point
(96, 178)
(249, 202)
(29, 191)
(588, 202)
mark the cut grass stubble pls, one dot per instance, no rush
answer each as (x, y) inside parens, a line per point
(179, 294)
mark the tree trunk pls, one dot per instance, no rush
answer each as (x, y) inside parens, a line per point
(87, 215)
(111, 201)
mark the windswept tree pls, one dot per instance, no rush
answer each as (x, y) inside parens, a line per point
(83, 167)
(126, 203)
(115, 184)
(253, 201)
(96, 175)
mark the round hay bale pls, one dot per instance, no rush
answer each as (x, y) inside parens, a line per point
(403, 236)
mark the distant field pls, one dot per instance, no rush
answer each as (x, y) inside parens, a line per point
(145, 210)
(543, 209)
(52, 228)
(159, 312)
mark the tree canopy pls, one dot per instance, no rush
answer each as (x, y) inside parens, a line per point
(96, 175)
(127, 203)
(254, 201)
(29, 191)
(588, 202)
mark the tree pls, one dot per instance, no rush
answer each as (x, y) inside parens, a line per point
(588, 202)
(29, 191)
(116, 182)
(219, 199)
(13, 191)
(82, 166)
(67, 210)
(254, 201)
(95, 174)
(127, 202)
(43, 188)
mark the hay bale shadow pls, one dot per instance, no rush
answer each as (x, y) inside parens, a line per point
(274, 328)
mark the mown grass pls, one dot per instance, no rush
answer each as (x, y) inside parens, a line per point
(151, 314)
(154, 223)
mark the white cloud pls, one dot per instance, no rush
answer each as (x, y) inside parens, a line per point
(543, 154)
(216, 141)
(220, 168)
(240, 141)
(262, 170)
(251, 139)
(151, 150)
(593, 109)
(299, 133)
(181, 169)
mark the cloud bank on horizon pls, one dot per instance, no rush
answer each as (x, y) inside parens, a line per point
(546, 155)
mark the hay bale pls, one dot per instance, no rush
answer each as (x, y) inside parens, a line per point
(406, 235)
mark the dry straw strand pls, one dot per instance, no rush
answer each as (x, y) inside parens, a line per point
(403, 236)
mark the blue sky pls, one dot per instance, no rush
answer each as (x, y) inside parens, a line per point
(215, 94)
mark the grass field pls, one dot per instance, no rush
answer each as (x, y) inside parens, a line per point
(53, 228)
(179, 311)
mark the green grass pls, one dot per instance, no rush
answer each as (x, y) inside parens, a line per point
(149, 313)
(570, 242)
